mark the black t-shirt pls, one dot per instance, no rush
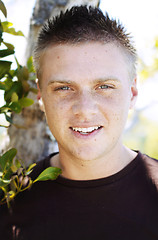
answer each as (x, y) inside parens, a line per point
(123, 206)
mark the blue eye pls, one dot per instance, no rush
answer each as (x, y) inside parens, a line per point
(104, 87)
(64, 88)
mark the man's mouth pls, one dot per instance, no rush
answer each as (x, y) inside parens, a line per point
(85, 131)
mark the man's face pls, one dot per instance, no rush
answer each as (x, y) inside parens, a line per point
(86, 93)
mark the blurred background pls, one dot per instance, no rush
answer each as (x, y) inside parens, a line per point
(140, 18)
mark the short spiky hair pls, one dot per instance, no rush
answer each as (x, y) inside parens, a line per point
(82, 24)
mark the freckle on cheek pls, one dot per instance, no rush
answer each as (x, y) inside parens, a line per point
(58, 57)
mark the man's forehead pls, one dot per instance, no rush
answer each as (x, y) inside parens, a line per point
(82, 52)
(93, 60)
(81, 45)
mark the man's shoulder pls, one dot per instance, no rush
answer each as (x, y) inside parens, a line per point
(151, 165)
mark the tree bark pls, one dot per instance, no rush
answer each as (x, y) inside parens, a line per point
(34, 140)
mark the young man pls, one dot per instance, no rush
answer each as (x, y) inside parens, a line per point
(86, 68)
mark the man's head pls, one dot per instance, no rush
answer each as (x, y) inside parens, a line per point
(85, 63)
(84, 25)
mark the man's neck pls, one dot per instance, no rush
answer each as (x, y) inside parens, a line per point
(88, 170)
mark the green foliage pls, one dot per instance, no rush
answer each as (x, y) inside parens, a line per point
(147, 71)
(3, 8)
(50, 173)
(4, 69)
(6, 52)
(16, 87)
(15, 178)
(14, 82)
(143, 135)
(6, 26)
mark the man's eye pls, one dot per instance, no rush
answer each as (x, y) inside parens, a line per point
(104, 87)
(64, 88)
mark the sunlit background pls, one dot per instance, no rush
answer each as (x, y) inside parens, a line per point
(140, 18)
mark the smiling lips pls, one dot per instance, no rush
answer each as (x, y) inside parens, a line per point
(85, 130)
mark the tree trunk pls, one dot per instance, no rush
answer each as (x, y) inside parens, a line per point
(35, 141)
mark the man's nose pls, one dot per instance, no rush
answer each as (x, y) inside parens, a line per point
(85, 105)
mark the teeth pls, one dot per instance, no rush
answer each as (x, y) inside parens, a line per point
(85, 130)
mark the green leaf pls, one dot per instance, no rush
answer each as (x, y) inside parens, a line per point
(9, 119)
(4, 109)
(2, 86)
(4, 68)
(14, 97)
(15, 107)
(18, 64)
(25, 102)
(30, 169)
(9, 46)
(16, 87)
(30, 65)
(7, 28)
(6, 25)
(14, 168)
(34, 90)
(22, 73)
(7, 175)
(7, 158)
(17, 163)
(6, 52)
(50, 173)
(14, 32)
(3, 8)
(1, 34)
(3, 183)
(8, 83)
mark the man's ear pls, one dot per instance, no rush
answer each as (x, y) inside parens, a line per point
(39, 98)
(134, 93)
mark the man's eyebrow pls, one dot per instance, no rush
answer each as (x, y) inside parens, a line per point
(106, 79)
(59, 81)
(95, 81)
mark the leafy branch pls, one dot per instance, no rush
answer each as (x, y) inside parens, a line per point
(16, 84)
(15, 178)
